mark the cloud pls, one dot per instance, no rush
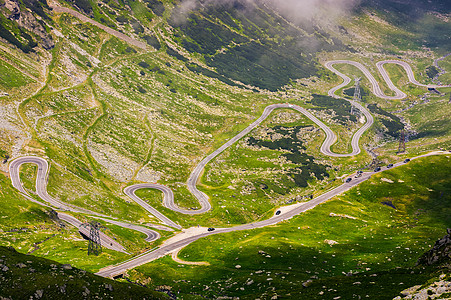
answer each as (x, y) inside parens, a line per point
(296, 11)
(322, 11)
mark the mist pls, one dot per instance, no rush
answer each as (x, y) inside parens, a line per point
(295, 11)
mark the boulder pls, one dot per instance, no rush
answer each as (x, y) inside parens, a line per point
(440, 252)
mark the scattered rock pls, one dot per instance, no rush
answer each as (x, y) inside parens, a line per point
(238, 267)
(21, 265)
(307, 283)
(440, 252)
(38, 294)
(410, 290)
(330, 242)
(342, 216)
(66, 267)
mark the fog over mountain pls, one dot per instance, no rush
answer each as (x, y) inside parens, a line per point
(296, 11)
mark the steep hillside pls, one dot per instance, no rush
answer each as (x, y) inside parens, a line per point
(116, 93)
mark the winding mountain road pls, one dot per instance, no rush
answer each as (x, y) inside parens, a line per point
(168, 196)
(441, 70)
(41, 191)
(113, 271)
(376, 89)
(331, 138)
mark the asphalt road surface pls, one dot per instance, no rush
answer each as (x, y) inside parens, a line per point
(151, 255)
(41, 191)
(168, 196)
(375, 85)
(331, 138)
(441, 70)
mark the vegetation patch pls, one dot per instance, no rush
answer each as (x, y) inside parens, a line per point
(229, 44)
(378, 247)
(390, 121)
(25, 276)
(342, 108)
(306, 167)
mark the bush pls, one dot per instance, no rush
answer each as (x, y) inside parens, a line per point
(143, 64)
(306, 164)
(137, 27)
(130, 50)
(84, 5)
(156, 6)
(392, 122)
(432, 71)
(175, 54)
(122, 19)
(152, 41)
(37, 7)
(4, 33)
(342, 108)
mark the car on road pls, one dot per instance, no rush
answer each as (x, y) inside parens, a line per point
(278, 212)
(406, 160)
(377, 169)
(390, 165)
(348, 180)
(210, 229)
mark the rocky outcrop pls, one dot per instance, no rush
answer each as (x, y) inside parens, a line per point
(25, 19)
(440, 252)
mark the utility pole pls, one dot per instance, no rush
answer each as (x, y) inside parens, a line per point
(357, 97)
(402, 142)
(94, 246)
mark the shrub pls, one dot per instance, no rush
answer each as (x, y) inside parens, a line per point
(152, 41)
(143, 64)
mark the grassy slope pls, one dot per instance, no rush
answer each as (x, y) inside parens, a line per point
(380, 238)
(50, 280)
(189, 114)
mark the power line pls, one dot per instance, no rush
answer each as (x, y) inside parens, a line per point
(357, 97)
(94, 246)
(402, 141)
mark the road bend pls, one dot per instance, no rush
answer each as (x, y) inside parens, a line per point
(41, 191)
(168, 195)
(113, 271)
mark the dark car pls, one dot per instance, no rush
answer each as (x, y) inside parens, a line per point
(390, 165)
(210, 229)
(348, 180)
(278, 212)
(377, 169)
(406, 160)
(359, 172)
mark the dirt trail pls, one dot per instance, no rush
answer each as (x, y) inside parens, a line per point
(180, 261)
(119, 35)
